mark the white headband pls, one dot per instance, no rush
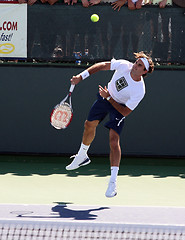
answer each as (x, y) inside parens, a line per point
(146, 63)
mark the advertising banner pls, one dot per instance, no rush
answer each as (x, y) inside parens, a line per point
(13, 31)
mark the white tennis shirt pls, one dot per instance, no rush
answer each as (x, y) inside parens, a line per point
(122, 88)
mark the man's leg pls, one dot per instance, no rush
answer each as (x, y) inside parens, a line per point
(115, 157)
(115, 150)
(88, 136)
(82, 159)
(89, 131)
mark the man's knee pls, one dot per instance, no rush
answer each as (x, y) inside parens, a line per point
(90, 124)
(114, 140)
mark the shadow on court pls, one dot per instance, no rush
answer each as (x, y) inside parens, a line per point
(65, 212)
(61, 210)
(133, 167)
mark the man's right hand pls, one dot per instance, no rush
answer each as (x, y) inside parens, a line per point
(76, 79)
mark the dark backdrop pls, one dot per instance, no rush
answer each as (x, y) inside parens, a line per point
(28, 94)
(64, 33)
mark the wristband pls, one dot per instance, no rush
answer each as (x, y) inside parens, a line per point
(108, 98)
(84, 74)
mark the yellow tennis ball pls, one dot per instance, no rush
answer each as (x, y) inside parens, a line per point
(95, 18)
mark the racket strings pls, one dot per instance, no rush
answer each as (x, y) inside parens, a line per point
(62, 116)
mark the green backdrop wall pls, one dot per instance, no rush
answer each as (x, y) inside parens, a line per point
(28, 94)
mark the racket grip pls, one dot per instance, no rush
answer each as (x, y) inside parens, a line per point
(71, 88)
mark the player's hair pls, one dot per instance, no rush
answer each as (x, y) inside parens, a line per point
(148, 57)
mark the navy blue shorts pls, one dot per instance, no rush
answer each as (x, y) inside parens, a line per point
(100, 109)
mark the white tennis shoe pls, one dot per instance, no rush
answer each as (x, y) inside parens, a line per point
(111, 190)
(78, 162)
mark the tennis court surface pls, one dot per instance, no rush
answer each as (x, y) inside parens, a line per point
(41, 200)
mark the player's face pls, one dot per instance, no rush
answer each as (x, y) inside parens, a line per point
(139, 67)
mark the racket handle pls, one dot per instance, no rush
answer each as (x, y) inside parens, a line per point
(71, 88)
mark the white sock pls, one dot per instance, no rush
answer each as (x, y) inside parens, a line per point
(83, 149)
(114, 173)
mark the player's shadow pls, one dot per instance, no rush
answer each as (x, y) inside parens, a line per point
(65, 212)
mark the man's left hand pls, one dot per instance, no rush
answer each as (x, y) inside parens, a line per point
(103, 92)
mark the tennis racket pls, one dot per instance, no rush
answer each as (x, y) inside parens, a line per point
(62, 113)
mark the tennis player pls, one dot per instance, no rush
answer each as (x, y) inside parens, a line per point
(123, 94)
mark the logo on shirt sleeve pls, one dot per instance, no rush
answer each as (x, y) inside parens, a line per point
(121, 83)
